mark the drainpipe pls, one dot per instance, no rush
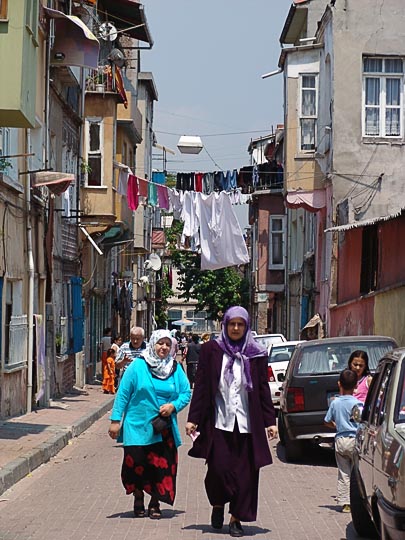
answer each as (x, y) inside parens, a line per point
(30, 275)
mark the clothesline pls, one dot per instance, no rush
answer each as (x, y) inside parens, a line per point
(210, 223)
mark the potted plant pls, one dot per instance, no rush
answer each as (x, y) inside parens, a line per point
(5, 165)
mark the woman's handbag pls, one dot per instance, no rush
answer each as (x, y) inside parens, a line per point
(160, 423)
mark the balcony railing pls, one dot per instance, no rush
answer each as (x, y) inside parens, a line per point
(99, 81)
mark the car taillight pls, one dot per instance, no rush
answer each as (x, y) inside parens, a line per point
(270, 374)
(295, 399)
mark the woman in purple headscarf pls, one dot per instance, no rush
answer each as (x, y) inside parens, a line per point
(231, 409)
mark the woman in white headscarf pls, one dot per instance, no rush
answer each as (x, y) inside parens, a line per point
(151, 386)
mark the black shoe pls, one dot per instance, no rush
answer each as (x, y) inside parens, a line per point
(217, 517)
(235, 529)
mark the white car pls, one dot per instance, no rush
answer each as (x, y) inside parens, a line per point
(279, 357)
(268, 339)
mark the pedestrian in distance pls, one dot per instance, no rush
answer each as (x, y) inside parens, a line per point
(109, 372)
(131, 349)
(230, 412)
(116, 344)
(192, 356)
(205, 337)
(358, 362)
(339, 417)
(153, 388)
(105, 344)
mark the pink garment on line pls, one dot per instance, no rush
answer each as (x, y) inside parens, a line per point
(132, 192)
(143, 187)
(163, 197)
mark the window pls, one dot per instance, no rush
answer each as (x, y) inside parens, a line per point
(369, 260)
(308, 112)
(94, 137)
(31, 17)
(3, 9)
(16, 325)
(276, 242)
(4, 141)
(383, 97)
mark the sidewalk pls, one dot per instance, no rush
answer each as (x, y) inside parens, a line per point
(32, 439)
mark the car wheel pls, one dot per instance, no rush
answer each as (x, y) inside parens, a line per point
(281, 428)
(362, 521)
(293, 449)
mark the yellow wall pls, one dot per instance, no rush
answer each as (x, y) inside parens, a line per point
(389, 315)
(302, 171)
(99, 200)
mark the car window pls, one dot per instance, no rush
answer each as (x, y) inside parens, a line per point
(268, 340)
(281, 354)
(378, 413)
(400, 403)
(333, 358)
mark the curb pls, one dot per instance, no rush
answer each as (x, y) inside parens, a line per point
(16, 470)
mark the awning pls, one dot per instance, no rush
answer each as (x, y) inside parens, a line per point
(128, 16)
(312, 201)
(57, 182)
(365, 222)
(74, 44)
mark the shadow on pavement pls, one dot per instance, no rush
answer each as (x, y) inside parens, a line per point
(352, 535)
(204, 528)
(312, 455)
(167, 513)
(15, 430)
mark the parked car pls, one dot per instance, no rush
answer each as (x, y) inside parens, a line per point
(311, 383)
(279, 358)
(377, 487)
(267, 339)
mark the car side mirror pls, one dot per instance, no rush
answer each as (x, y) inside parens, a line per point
(281, 377)
(357, 412)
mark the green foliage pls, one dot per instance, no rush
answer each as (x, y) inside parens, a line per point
(214, 290)
(5, 164)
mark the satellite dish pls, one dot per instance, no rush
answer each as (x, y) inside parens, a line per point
(153, 262)
(107, 32)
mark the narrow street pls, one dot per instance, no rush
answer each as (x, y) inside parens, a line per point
(78, 495)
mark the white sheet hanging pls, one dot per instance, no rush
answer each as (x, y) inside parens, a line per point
(176, 202)
(188, 215)
(221, 239)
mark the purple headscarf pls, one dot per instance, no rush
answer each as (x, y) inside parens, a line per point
(244, 349)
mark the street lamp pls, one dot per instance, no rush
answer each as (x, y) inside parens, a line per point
(190, 144)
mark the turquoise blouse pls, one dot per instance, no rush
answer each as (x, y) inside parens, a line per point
(139, 398)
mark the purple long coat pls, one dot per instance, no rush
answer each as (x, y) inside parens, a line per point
(202, 406)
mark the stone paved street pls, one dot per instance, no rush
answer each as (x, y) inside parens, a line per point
(78, 495)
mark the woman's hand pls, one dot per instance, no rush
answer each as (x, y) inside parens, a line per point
(272, 432)
(167, 409)
(114, 429)
(190, 428)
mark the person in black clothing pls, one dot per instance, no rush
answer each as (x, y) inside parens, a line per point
(192, 356)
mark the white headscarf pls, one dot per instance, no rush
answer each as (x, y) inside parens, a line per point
(161, 368)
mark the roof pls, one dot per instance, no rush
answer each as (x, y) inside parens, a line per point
(365, 222)
(128, 16)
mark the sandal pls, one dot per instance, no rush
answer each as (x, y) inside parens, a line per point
(139, 508)
(154, 511)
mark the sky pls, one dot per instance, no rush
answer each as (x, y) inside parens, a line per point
(207, 61)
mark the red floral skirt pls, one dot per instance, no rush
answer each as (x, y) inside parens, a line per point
(152, 468)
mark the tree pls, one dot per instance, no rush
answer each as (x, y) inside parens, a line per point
(214, 290)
